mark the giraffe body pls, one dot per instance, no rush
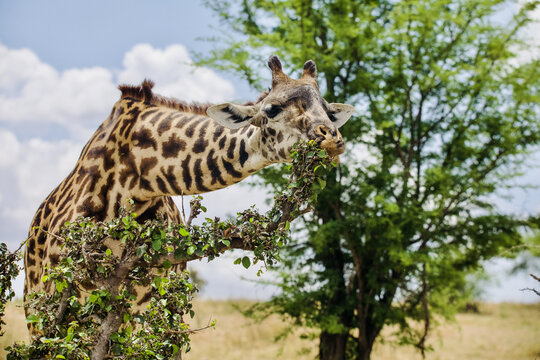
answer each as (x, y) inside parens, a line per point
(151, 148)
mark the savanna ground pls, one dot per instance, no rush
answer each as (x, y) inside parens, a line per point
(498, 331)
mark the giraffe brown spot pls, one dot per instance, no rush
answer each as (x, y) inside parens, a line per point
(145, 298)
(156, 117)
(152, 211)
(280, 137)
(85, 176)
(46, 211)
(230, 169)
(222, 142)
(171, 179)
(200, 145)
(214, 168)
(244, 129)
(217, 133)
(164, 125)
(55, 259)
(161, 185)
(144, 139)
(243, 153)
(147, 113)
(119, 111)
(230, 150)
(186, 172)
(191, 129)
(129, 122)
(41, 239)
(129, 170)
(282, 153)
(146, 165)
(31, 246)
(88, 285)
(184, 121)
(32, 276)
(30, 261)
(197, 171)
(173, 146)
(103, 153)
(89, 208)
(130, 102)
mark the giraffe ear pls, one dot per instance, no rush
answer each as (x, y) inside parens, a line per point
(230, 115)
(340, 113)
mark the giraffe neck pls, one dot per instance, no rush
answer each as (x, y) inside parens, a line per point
(183, 153)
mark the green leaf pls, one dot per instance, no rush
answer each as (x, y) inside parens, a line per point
(32, 319)
(60, 286)
(108, 252)
(183, 232)
(225, 242)
(156, 245)
(141, 250)
(246, 262)
(191, 249)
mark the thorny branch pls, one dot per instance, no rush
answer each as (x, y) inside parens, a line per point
(537, 292)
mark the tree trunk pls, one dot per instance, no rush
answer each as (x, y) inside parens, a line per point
(332, 346)
(364, 348)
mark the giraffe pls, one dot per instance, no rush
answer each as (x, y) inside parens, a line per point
(151, 148)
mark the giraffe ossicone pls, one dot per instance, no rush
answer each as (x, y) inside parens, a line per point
(151, 148)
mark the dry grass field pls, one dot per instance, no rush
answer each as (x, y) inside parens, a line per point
(499, 331)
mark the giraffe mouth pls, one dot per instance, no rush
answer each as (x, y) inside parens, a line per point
(334, 149)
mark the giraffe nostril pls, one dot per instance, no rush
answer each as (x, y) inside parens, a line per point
(322, 130)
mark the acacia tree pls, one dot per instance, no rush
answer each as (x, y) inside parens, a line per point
(446, 114)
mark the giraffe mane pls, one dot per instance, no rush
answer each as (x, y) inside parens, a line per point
(144, 93)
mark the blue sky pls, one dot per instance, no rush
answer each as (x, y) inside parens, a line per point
(60, 63)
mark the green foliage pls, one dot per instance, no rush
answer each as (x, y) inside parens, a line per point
(8, 271)
(447, 116)
(88, 310)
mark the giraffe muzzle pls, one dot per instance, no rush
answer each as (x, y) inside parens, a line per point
(330, 140)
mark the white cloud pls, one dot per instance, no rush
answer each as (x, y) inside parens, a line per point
(35, 93)
(30, 170)
(79, 99)
(174, 74)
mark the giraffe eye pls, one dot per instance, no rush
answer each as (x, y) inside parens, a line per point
(332, 116)
(272, 111)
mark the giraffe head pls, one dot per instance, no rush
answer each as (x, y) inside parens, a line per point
(292, 111)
